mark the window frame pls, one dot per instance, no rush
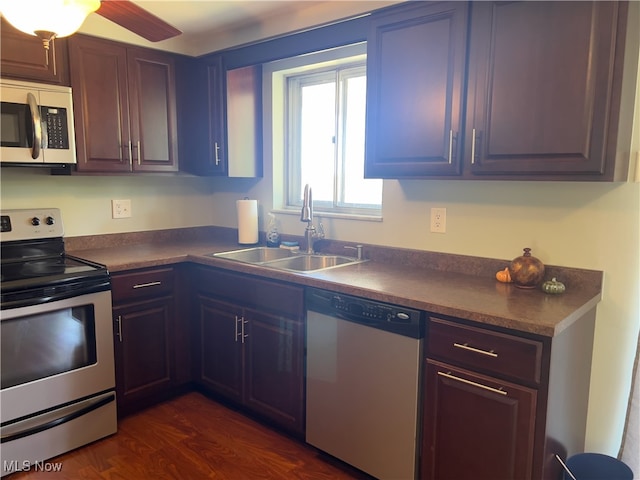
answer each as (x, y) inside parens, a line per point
(340, 69)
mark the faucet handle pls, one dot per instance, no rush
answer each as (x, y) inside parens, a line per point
(358, 248)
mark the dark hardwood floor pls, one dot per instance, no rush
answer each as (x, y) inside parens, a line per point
(193, 437)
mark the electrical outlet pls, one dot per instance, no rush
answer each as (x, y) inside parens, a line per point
(439, 220)
(121, 208)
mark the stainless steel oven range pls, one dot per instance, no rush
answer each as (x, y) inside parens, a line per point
(57, 364)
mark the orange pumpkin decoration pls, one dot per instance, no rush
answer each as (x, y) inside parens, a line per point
(504, 276)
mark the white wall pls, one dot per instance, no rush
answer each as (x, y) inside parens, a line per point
(156, 202)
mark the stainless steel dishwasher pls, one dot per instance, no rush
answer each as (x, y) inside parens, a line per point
(363, 374)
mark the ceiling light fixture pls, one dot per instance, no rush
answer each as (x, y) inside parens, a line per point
(47, 19)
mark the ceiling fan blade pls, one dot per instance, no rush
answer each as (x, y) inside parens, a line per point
(136, 19)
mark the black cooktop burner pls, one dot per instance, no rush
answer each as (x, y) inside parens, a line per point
(42, 268)
(35, 280)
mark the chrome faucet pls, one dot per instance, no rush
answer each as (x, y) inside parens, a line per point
(310, 233)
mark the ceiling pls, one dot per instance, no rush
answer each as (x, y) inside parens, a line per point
(210, 25)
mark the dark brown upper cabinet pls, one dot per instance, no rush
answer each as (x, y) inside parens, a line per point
(125, 107)
(23, 57)
(415, 80)
(541, 93)
(543, 97)
(223, 110)
(215, 159)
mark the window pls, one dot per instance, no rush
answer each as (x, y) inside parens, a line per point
(324, 128)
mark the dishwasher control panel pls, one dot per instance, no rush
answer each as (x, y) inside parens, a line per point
(369, 310)
(393, 318)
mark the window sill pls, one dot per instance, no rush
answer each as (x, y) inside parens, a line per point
(344, 216)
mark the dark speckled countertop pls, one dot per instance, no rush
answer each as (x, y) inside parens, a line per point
(450, 285)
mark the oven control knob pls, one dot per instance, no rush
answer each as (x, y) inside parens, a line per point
(35, 221)
(50, 220)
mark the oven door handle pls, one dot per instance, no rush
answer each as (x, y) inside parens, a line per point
(73, 414)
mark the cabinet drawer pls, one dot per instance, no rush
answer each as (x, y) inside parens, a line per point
(494, 352)
(140, 284)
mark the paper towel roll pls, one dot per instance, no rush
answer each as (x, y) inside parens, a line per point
(247, 221)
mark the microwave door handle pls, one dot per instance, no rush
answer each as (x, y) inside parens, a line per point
(37, 126)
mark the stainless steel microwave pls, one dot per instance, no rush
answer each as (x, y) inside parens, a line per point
(36, 124)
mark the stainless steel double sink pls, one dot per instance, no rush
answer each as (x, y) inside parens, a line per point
(283, 259)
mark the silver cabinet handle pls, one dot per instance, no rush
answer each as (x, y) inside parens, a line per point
(244, 322)
(464, 346)
(474, 384)
(450, 146)
(37, 126)
(53, 55)
(476, 138)
(130, 152)
(216, 149)
(138, 152)
(146, 285)
(119, 322)
(473, 146)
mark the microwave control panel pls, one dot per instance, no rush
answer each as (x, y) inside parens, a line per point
(54, 123)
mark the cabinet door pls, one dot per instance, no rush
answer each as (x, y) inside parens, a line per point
(152, 101)
(201, 110)
(101, 107)
(143, 349)
(220, 349)
(415, 79)
(475, 426)
(243, 121)
(274, 383)
(23, 57)
(216, 163)
(540, 88)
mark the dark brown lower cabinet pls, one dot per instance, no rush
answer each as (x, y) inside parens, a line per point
(150, 337)
(220, 351)
(274, 367)
(500, 404)
(251, 352)
(143, 348)
(475, 423)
